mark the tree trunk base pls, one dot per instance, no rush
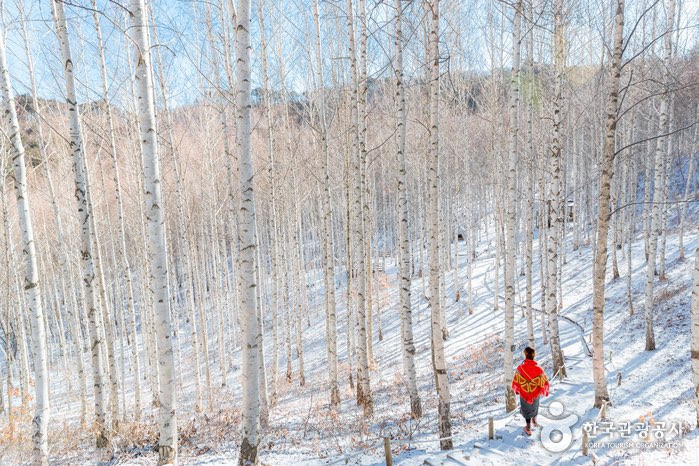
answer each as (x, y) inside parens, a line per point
(650, 338)
(248, 454)
(415, 408)
(102, 441)
(364, 400)
(335, 396)
(510, 400)
(167, 454)
(601, 401)
(445, 427)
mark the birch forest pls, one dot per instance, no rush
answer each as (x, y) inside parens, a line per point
(323, 231)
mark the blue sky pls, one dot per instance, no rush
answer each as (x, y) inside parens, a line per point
(184, 44)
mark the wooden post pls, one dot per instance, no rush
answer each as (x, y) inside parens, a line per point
(618, 379)
(584, 443)
(603, 413)
(387, 451)
(491, 429)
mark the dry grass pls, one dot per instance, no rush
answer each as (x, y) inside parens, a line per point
(71, 443)
(668, 293)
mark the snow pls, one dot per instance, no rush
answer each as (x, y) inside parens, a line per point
(304, 431)
(656, 383)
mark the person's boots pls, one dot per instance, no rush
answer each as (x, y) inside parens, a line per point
(527, 429)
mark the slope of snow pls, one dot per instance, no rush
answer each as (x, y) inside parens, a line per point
(655, 384)
(304, 431)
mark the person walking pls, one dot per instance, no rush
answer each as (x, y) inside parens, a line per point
(530, 382)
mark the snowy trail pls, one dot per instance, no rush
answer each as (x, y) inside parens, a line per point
(474, 351)
(511, 445)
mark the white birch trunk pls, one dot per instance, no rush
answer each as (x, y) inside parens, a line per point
(364, 185)
(246, 242)
(498, 254)
(606, 176)
(328, 243)
(631, 218)
(510, 401)
(200, 304)
(107, 326)
(439, 364)
(470, 254)
(667, 163)
(660, 154)
(299, 281)
(66, 279)
(31, 280)
(157, 246)
(364, 397)
(543, 263)
(406, 318)
(348, 273)
(529, 262)
(683, 208)
(264, 399)
(273, 207)
(694, 311)
(554, 198)
(86, 252)
(646, 201)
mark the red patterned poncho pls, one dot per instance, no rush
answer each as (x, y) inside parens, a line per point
(530, 381)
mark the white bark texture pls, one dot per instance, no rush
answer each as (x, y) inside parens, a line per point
(406, 319)
(511, 220)
(357, 244)
(554, 199)
(661, 152)
(31, 279)
(246, 243)
(439, 364)
(273, 203)
(606, 176)
(694, 352)
(157, 245)
(84, 212)
(328, 243)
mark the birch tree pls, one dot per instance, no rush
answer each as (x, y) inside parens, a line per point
(84, 211)
(273, 205)
(406, 319)
(31, 279)
(326, 203)
(510, 262)
(694, 351)
(606, 175)
(357, 243)
(661, 152)
(554, 196)
(246, 241)
(439, 364)
(157, 246)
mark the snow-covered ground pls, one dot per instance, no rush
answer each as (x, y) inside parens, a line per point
(656, 386)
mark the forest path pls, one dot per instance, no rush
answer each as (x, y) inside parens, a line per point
(561, 414)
